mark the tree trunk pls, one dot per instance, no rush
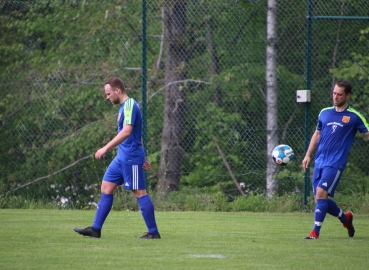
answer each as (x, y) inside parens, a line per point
(175, 97)
(271, 97)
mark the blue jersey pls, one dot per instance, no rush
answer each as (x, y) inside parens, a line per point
(131, 151)
(337, 132)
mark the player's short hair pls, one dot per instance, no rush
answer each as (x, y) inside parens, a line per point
(115, 82)
(346, 85)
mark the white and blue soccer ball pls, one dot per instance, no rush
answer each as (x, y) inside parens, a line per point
(283, 154)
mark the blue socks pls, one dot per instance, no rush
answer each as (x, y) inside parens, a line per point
(146, 207)
(102, 211)
(147, 211)
(335, 211)
(321, 209)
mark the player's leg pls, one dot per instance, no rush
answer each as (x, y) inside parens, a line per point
(321, 202)
(315, 180)
(105, 204)
(345, 218)
(112, 178)
(321, 207)
(333, 209)
(148, 214)
(324, 185)
(134, 179)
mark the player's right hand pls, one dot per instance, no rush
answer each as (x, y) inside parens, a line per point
(99, 153)
(305, 163)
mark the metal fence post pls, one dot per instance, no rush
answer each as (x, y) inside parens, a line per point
(144, 79)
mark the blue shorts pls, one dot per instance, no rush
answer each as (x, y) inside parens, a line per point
(132, 176)
(326, 178)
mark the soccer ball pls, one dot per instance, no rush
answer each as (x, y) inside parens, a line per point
(283, 154)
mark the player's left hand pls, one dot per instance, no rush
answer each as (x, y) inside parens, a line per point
(146, 165)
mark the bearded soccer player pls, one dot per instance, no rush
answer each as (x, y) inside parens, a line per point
(332, 139)
(128, 166)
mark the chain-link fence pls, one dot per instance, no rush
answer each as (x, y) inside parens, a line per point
(220, 90)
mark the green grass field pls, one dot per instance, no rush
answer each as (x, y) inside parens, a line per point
(44, 239)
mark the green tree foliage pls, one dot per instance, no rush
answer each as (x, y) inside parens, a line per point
(55, 56)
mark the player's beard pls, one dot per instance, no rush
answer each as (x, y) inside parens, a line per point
(114, 101)
(339, 104)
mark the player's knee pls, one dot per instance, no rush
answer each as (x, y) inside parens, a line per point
(107, 187)
(139, 193)
(321, 193)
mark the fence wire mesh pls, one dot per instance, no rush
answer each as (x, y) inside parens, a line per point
(208, 96)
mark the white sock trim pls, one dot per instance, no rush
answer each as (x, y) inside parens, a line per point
(319, 224)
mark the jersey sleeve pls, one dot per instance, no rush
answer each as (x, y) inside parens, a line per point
(129, 112)
(319, 125)
(362, 124)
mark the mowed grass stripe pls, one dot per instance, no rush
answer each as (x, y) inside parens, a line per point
(44, 239)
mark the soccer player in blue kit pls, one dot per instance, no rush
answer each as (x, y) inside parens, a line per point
(332, 139)
(128, 166)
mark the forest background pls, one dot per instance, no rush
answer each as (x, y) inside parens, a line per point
(216, 80)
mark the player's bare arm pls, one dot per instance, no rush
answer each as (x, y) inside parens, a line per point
(118, 139)
(367, 135)
(312, 147)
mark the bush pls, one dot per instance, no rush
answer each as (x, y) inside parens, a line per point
(198, 200)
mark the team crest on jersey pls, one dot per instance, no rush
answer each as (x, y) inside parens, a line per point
(346, 119)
